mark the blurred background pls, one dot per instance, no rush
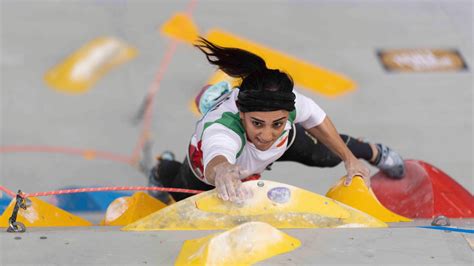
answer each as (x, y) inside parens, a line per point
(56, 133)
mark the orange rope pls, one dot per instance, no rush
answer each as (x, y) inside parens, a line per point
(67, 150)
(155, 86)
(7, 191)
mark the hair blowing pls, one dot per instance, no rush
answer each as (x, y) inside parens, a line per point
(262, 89)
(250, 67)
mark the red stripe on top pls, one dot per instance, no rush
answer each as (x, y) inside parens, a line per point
(282, 142)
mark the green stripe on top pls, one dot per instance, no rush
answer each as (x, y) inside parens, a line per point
(231, 121)
(291, 119)
(292, 116)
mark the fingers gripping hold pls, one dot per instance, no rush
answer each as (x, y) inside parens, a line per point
(228, 182)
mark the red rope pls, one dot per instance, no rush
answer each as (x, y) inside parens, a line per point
(98, 189)
(7, 191)
(155, 86)
(191, 6)
(153, 90)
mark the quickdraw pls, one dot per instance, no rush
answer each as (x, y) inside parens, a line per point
(14, 226)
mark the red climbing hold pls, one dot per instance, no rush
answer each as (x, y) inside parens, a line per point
(424, 192)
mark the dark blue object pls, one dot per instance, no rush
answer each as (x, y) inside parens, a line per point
(447, 228)
(86, 201)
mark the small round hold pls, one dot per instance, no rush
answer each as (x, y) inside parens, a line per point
(260, 183)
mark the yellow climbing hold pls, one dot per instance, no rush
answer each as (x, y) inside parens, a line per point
(280, 205)
(359, 196)
(285, 200)
(245, 244)
(125, 210)
(84, 67)
(42, 214)
(181, 27)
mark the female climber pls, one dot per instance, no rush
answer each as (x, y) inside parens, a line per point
(246, 129)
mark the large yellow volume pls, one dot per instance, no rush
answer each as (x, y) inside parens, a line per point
(280, 205)
(125, 210)
(84, 67)
(245, 244)
(359, 196)
(42, 214)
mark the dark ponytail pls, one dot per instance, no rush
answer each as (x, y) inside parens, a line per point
(234, 62)
(262, 89)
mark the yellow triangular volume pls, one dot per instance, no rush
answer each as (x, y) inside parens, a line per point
(125, 210)
(280, 205)
(181, 27)
(42, 214)
(359, 196)
(245, 244)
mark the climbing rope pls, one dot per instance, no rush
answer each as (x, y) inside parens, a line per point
(99, 189)
(7, 191)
